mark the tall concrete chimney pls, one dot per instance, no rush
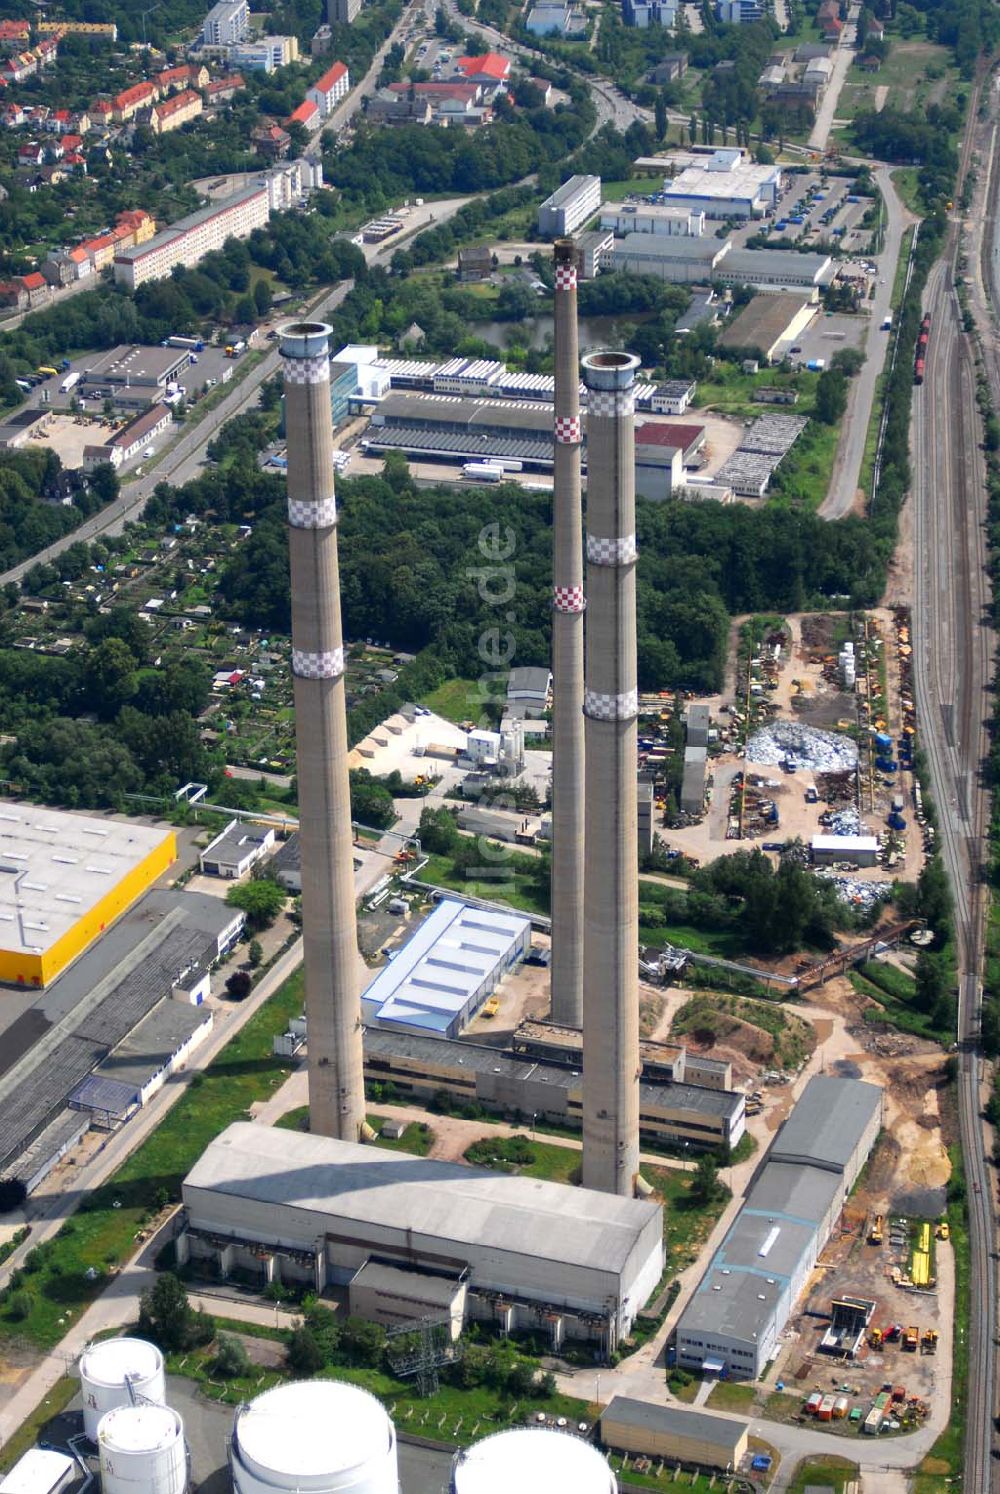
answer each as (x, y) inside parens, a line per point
(611, 710)
(567, 656)
(329, 928)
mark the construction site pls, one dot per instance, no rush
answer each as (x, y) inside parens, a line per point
(811, 742)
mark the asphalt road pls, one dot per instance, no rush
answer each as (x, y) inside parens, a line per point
(843, 490)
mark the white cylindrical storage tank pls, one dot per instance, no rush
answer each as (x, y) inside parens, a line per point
(142, 1451)
(106, 1371)
(314, 1437)
(531, 1460)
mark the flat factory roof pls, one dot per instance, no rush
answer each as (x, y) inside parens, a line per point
(790, 1191)
(731, 1304)
(415, 1286)
(828, 1122)
(444, 963)
(763, 322)
(723, 1432)
(391, 1190)
(473, 1058)
(671, 246)
(137, 365)
(55, 866)
(150, 1046)
(845, 844)
(815, 269)
(744, 180)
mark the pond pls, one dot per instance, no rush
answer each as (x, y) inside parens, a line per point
(595, 331)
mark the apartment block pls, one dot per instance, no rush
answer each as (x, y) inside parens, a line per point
(189, 239)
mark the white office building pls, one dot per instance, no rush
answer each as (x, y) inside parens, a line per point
(651, 217)
(725, 185)
(569, 206)
(226, 24)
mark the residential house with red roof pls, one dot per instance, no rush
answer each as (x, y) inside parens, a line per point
(127, 104)
(221, 90)
(451, 103)
(178, 110)
(14, 35)
(271, 141)
(36, 286)
(327, 92)
(31, 153)
(307, 115)
(491, 70)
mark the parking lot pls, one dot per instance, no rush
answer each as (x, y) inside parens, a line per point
(827, 334)
(831, 213)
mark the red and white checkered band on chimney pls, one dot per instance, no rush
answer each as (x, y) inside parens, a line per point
(568, 599)
(567, 429)
(565, 277)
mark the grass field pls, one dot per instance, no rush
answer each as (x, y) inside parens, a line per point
(417, 1139)
(728, 1396)
(29, 1432)
(896, 1007)
(825, 1472)
(555, 1164)
(456, 700)
(103, 1233)
(461, 1415)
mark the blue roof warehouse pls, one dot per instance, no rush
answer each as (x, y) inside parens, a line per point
(440, 978)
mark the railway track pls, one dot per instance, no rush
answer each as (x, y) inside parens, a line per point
(952, 669)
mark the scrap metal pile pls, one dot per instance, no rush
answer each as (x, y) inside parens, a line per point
(796, 746)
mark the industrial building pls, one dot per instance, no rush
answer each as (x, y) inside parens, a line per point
(566, 1261)
(69, 876)
(862, 850)
(681, 259)
(734, 1320)
(236, 850)
(674, 1434)
(441, 976)
(768, 326)
(164, 945)
(158, 1047)
(725, 185)
(777, 270)
(462, 430)
(663, 1063)
(569, 206)
(189, 239)
(422, 1066)
(659, 218)
(661, 453)
(145, 370)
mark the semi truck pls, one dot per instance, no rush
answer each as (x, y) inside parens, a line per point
(195, 344)
(69, 382)
(483, 471)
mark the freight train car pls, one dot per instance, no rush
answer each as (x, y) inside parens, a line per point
(920, 359)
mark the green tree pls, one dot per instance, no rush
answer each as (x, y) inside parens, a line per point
(262, 297)
(255, 954)
(19, 1305)
(363, 1341)
(239, 985)
(13, 1193)
(167, 1317)
(110, 677)
(831, 396)
(231, 1360)
(661, 116)
(304, 1354)
(260, 899)
(705, 1185)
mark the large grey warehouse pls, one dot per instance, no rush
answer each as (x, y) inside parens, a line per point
(566, 1261)
(735, 1318)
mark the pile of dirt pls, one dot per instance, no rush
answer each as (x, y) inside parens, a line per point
(761, 1034)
